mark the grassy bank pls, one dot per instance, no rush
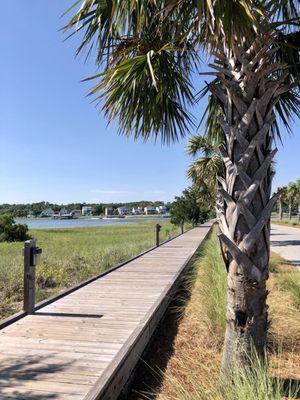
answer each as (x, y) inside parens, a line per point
(192, 371)
(287, 222)
(71, 256)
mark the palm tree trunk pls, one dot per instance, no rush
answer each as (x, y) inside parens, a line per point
(290, 209)
(280, 209)
(247, 95)
(299, 212)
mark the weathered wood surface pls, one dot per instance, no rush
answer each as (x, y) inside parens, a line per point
(85, 345)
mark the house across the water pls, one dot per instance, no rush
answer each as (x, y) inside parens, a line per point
(47, 213)
(123, 211)
(137, 210)
(87, 210)
(108, 211)
(161, 209)
(149, 210)
(76, 213)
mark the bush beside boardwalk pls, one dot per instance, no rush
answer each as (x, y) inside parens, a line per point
(70, 256)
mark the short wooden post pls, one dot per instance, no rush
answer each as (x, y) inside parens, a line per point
(29, 277)
(157, 228)
(182, 226)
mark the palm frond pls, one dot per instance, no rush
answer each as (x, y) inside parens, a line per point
(288, 54)
(149, 95)
(287, 108)
(200, 144)
(147, 50)
(286, 9)
(205, 169)
(211, 115)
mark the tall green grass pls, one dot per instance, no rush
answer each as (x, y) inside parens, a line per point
(71, 256)
(213, 288)
(287, 277)
(252, 383)
(290, 282)
(196, 375)
(287, 222)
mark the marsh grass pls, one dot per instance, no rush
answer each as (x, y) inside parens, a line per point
(289, 281)
(193, 370)
(287, 277)
(251, 383)
(71, 256)
(287, 222)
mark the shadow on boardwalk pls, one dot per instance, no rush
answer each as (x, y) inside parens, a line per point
(21, 371)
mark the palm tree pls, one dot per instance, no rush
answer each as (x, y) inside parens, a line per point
(298, 198)
(148, 52)
(281, 193)
(291, 194)
(204, 170)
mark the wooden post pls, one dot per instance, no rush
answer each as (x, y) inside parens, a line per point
(157, 228)
(29, 277)
(182, 226)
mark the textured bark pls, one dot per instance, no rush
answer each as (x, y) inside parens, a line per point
(290, 209)
(247, 88)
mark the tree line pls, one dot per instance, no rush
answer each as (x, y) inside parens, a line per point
(35, 209)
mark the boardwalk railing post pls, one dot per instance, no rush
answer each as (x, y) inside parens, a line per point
(182, 225)
(157, 228)
(31, 256)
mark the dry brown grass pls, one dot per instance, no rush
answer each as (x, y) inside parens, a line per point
(193, 368)
(197, 348)
(285, 327)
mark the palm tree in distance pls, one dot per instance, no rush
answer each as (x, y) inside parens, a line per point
(291, 195)
(148, 52)
(298, 198)
(281, 193)
(206, 168)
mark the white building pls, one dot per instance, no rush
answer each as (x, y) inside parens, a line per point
(76, 213)
(108, 211)
(149, 210)
(64, 211)
(161, 209)
(87, 210)
(123, 211)
(137, 210)
(47, 213)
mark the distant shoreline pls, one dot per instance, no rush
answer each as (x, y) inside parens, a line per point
(50, 223)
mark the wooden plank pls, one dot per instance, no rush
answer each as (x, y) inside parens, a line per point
(111, 382)
(85, 345)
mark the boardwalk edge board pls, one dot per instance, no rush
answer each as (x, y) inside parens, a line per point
(110, 385)
(21, 314)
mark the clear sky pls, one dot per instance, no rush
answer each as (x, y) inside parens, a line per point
(55, 146)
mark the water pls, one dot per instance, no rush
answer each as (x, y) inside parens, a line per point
(47, 223)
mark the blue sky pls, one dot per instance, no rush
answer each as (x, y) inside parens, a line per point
(54, 144)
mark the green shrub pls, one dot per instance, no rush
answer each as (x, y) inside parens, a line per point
(12, 232)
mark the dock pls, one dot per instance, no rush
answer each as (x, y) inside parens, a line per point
(86, 344)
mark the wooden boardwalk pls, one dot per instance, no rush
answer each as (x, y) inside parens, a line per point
(86, 344)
